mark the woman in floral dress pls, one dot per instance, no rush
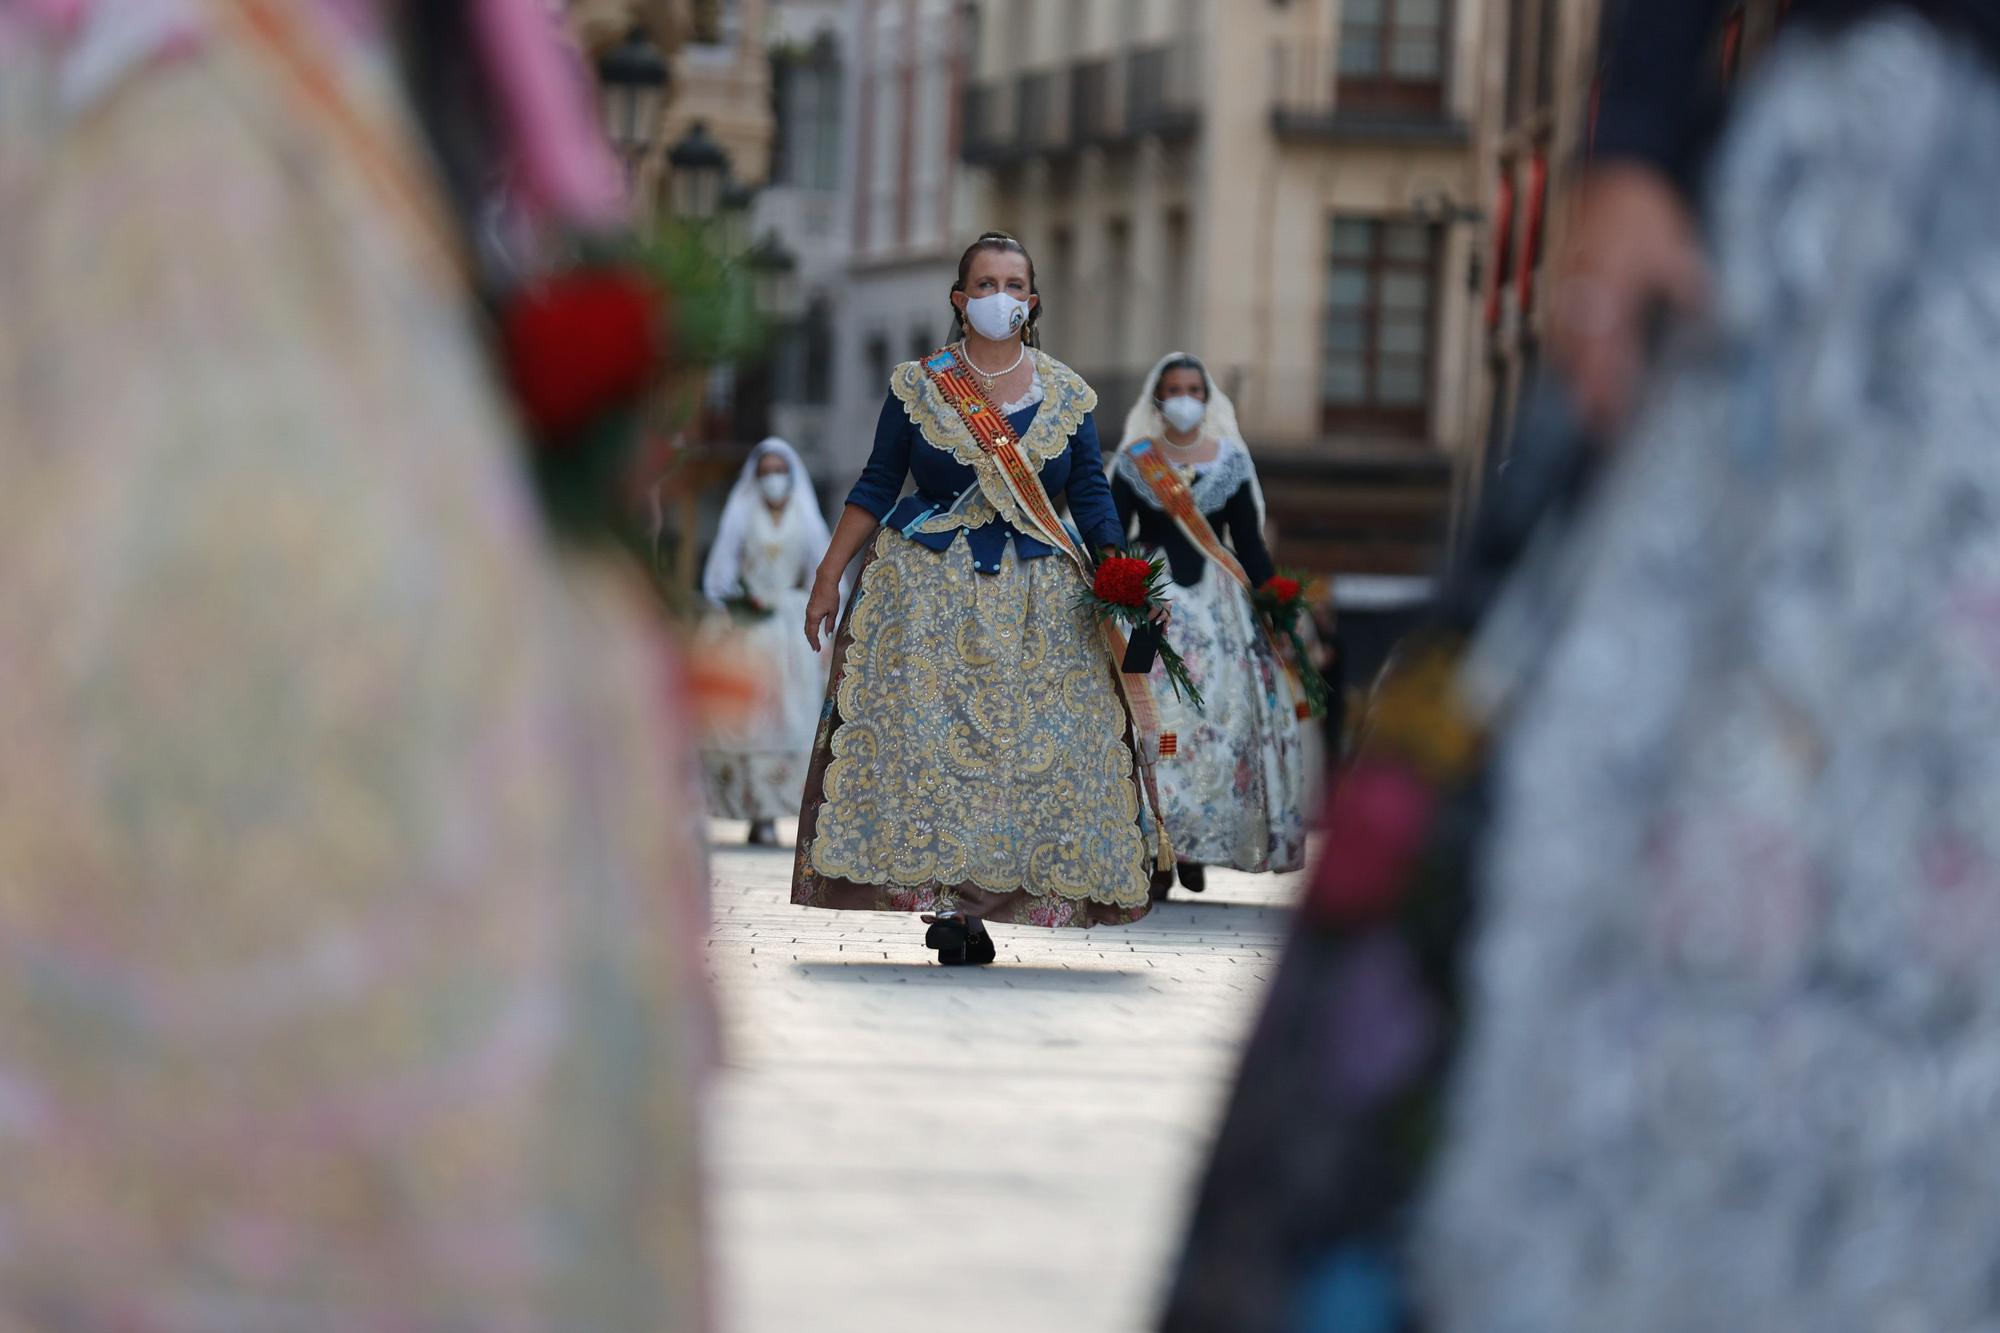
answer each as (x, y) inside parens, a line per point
(1235, 793)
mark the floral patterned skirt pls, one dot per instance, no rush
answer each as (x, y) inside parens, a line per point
(973, 752)
(1234, 794)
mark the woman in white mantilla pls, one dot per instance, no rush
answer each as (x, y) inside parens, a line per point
(1235, 793)
(975, 759)
(768, 545)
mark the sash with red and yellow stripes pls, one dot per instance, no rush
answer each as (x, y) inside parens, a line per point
(996, 438)
(1171, 493)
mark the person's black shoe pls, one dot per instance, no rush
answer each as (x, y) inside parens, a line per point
(1193, 878)
(950, 935)
(979, 946)
(763, 833)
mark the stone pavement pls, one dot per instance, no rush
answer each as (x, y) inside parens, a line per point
(898, 1146)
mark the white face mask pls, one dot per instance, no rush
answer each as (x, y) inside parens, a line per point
(1184, 412)
(776, 486)
(999, 316)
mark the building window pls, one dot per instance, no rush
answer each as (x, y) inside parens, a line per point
(931, 135)
(1057, 281)
(1115, 295)
(887, 163)
(1546, 27)
(714, 22)
(807, 92)
(1380, 313)
(1392, 54)
(1180, 278)
(816, 347)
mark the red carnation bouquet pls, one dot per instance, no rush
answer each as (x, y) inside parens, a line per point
(580, 345)
(1130, 589)
(581, 349)
(1281, 601)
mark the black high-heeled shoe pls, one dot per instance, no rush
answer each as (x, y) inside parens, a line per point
(1193, 878)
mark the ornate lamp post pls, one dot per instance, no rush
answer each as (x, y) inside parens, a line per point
(632, 78)
(699, 176)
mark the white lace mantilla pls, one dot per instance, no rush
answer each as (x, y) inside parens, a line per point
(1214, 481)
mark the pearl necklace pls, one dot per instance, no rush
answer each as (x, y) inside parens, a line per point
(1019, 357)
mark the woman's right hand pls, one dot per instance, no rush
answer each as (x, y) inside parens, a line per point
(1632, 247)
(822, 610)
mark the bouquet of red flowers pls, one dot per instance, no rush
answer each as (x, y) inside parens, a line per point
(1130, 589)
(1281, 601)
(581, 349)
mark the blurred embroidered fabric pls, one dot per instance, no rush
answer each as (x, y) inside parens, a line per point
(346, 944)
(1735, 1029)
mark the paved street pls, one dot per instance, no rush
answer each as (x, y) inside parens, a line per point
(899, 1146)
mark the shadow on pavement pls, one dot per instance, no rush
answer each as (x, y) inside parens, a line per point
(997, 976)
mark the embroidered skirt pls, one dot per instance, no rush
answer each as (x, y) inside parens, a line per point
(1234, 794)
(757, 769)
(974, 751)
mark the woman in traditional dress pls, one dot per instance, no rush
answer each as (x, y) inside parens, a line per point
(766, 550)
(975, 761)
(1183, 480)
(1734, 1013)
(346, 958)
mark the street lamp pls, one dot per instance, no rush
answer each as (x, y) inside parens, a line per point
(632, 79)
(774, 270)
(700, 174)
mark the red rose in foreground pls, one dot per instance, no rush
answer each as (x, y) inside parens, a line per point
(1282, 588)
(1122, 580)
(577, 345)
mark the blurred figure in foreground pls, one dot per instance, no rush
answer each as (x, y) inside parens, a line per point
(1733, 1010)
(346, 975)
(766, 551)
(1723, 1055)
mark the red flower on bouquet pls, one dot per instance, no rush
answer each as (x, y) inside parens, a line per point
(1281, 588)
(1280, 600)
(1131, 590)
(578, 345)
(1124, 581)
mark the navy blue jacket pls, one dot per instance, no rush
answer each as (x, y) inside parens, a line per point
(901, 452)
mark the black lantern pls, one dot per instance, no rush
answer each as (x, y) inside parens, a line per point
(775, 271)
(632, 78)
(700, 174)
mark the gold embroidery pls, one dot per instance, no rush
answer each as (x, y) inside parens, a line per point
(1066, 401)
(974, 513)
(981, 739)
